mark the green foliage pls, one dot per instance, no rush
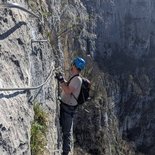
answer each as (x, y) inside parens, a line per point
(38, 130)
(46, 14)
(32, 4)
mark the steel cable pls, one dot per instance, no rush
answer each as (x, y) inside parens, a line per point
(15, 5)
(31, 88)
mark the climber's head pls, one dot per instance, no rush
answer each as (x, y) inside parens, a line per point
(79, 63)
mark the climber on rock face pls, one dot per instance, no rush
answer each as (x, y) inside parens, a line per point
(68, 102)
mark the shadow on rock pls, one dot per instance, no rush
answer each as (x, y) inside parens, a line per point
(8, 96)
(10, 31)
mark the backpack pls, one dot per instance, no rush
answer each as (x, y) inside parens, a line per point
(84, 91)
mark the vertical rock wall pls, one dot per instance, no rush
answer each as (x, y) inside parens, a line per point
(119, 35)
(24, 63)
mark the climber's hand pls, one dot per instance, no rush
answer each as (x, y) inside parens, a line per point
(59, 77)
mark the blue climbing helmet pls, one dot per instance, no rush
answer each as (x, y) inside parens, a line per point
(79, 63)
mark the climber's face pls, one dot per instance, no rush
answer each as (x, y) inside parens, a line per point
(73, 68)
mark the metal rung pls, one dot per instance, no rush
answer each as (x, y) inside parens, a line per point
(34, 41)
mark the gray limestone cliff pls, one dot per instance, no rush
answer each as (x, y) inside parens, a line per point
(117, 40)
(25, 63)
